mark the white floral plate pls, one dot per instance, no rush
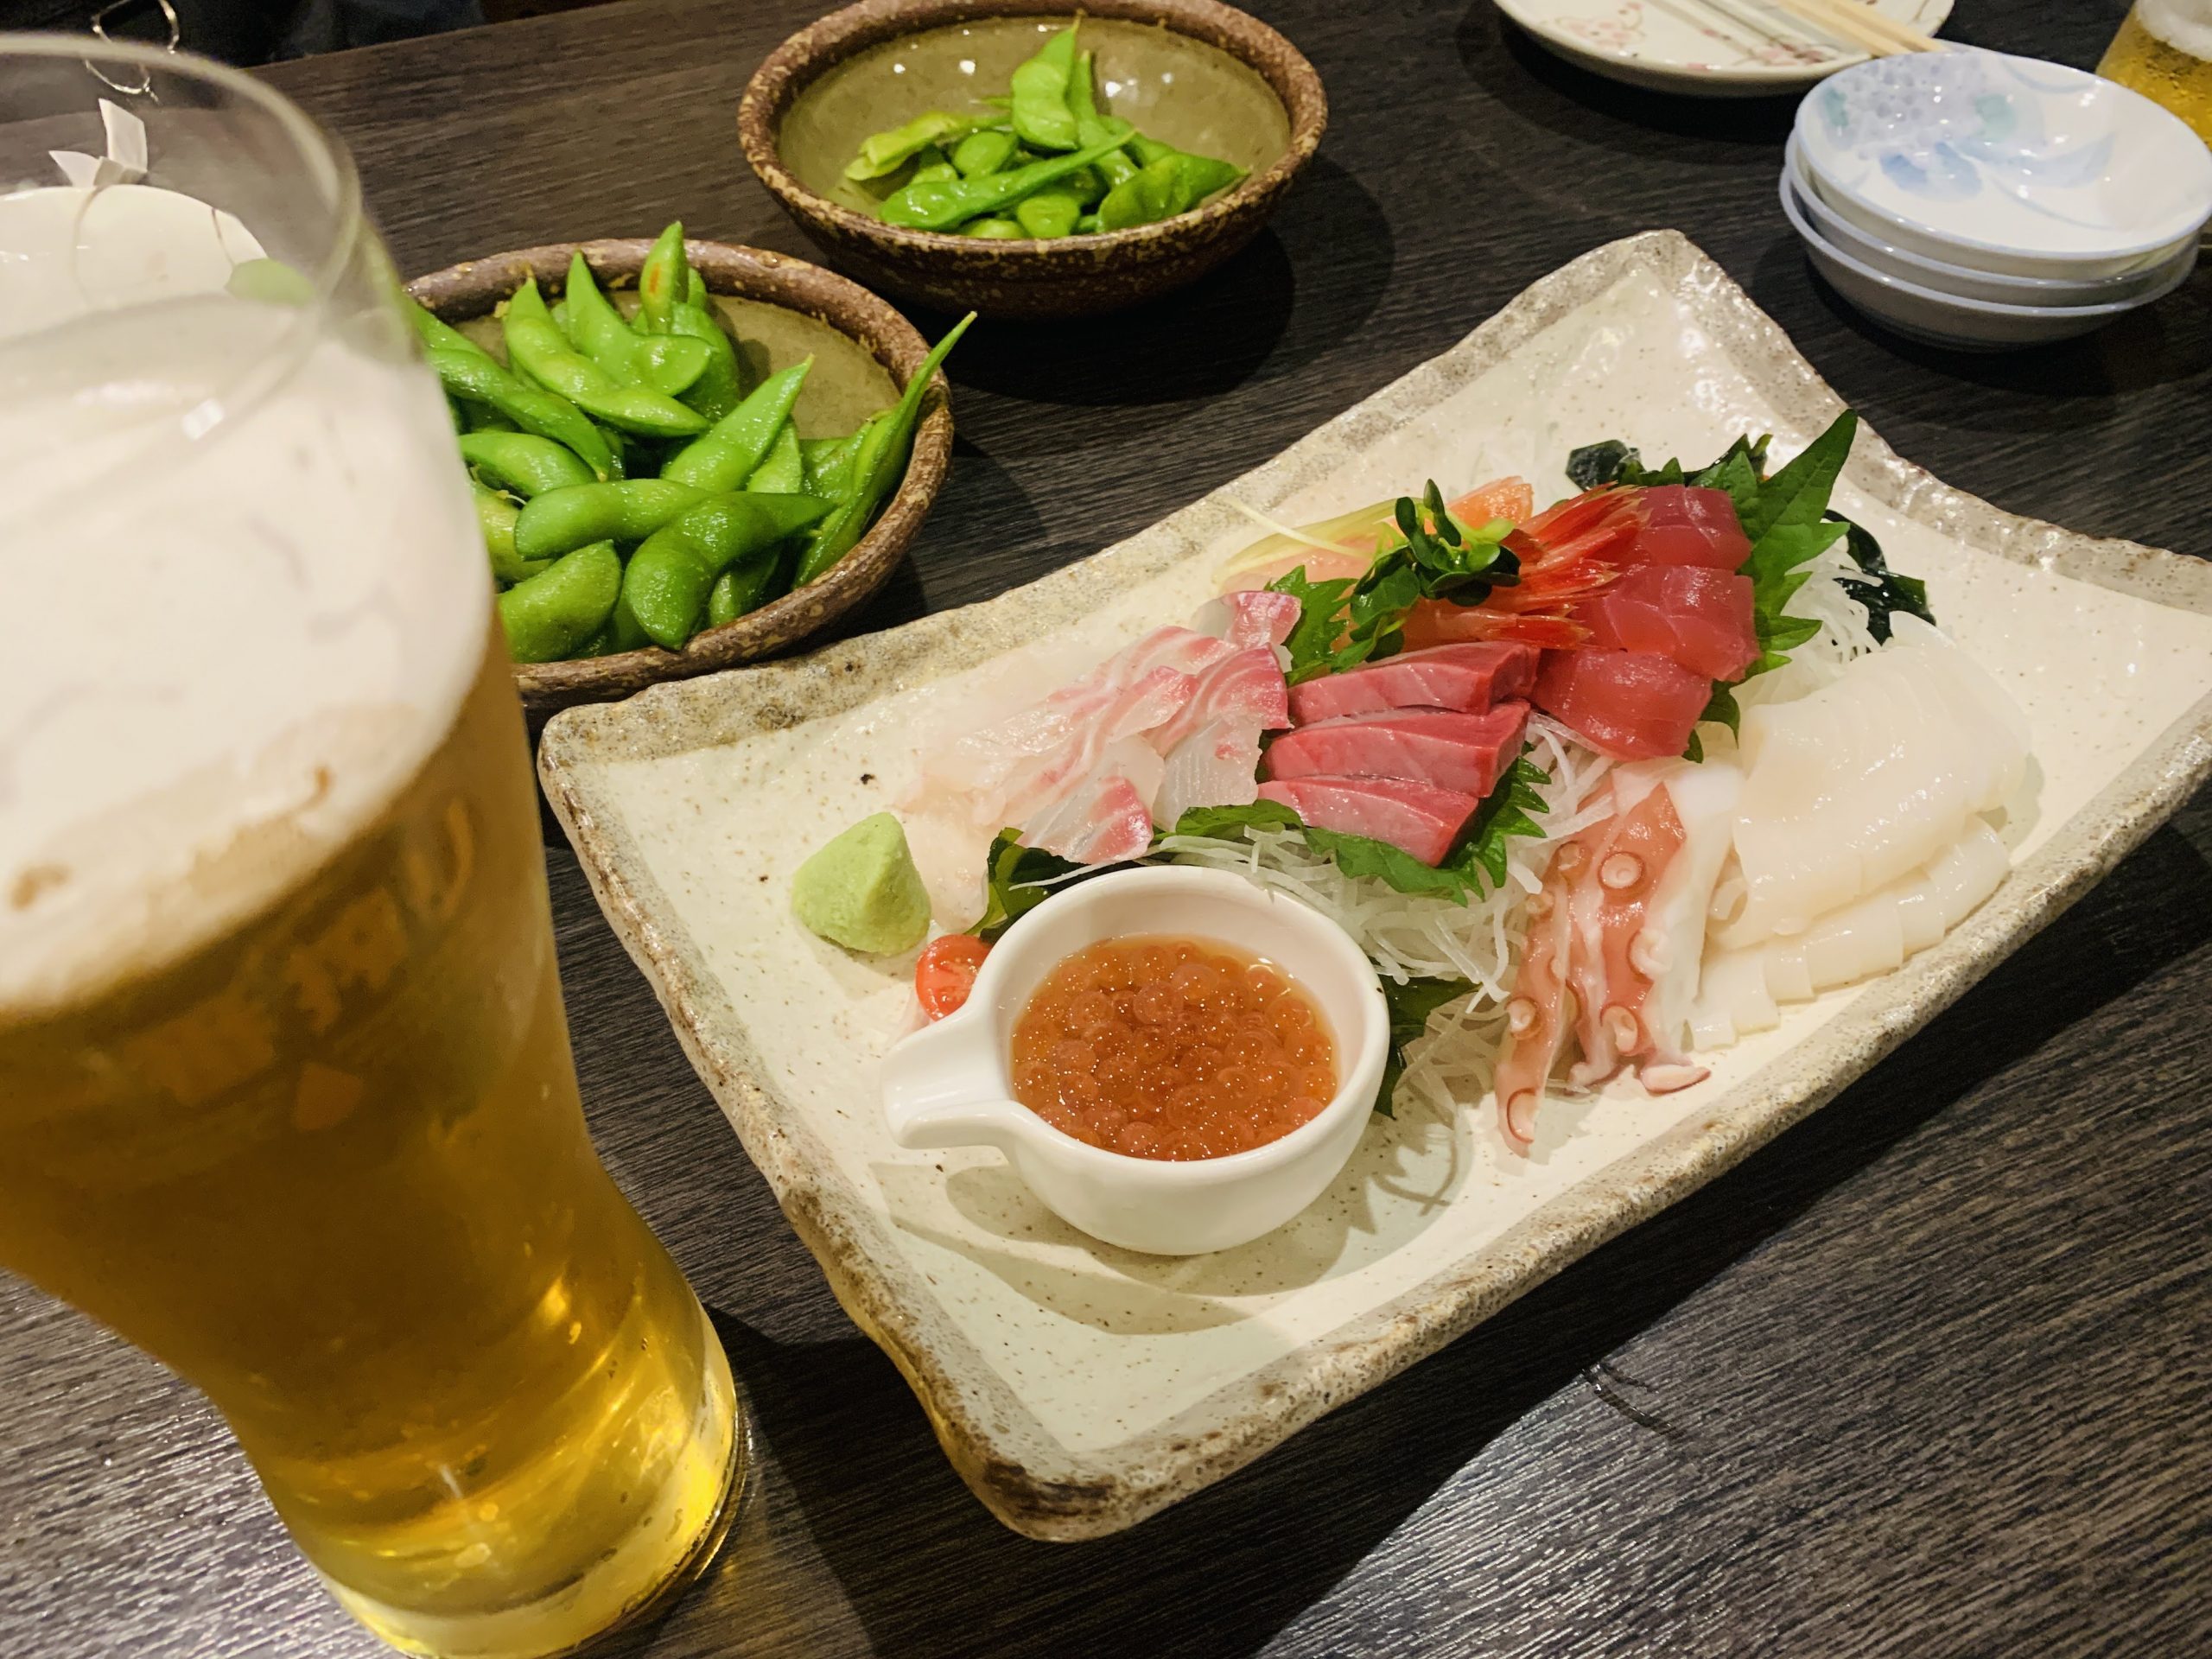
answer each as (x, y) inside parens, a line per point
(1078, 1387)
(1725, 48)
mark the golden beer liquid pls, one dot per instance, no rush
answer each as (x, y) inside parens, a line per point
(331, 1168)
(2161, 72)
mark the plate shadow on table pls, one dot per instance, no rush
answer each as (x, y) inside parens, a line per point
(1541, 87)
(1304, 285)
(2161, 344)
(927, 1572)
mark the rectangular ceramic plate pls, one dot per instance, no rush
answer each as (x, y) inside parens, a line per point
(1078, 1388)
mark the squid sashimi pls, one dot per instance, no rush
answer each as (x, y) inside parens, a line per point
(1672, 945)
(1852, 785)
(1422, 818)
(1468, 677)
(1633, 705)
(1107, 817)
(1699, 618)
(1434, 746)
(1743, 989)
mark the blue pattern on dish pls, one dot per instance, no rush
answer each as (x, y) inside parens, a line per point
(1945, 126)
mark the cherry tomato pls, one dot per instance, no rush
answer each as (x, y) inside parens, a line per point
(946, 972)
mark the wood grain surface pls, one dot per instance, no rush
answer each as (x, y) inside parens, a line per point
(1929, 1375)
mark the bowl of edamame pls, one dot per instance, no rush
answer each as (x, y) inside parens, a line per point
(1025, 159)
(685, 454)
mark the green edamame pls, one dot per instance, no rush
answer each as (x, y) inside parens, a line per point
(1051, 212)
(829, 461)
(439, 335)
(525, 465)
(548, 615)
(666, 365)
(495, 516)
(627, 511)
(668, 580)
(939, 204)
(741, 589)
(663, 281)
(995, 229)
(470, 375)
(986, 151)
(1039, 89)
(1083, 103)
(724, 457)
(877, 467)
(719, 387)
(537, 346)
(1161, 188)
(782, 471)
(882, 153)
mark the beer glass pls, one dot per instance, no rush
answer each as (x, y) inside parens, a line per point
(2164, 50)
(285, 1090)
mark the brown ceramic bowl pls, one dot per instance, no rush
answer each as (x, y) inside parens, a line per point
(1194, 74)
(783, 310)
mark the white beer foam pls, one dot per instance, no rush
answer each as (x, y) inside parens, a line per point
(2184, 25)
(247, 596)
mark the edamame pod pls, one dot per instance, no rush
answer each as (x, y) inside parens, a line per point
(740, 589)
(831, 474)
(472, 377)
(725, 457)
(667, 581)
(877, 468)
(783, 470)
(882, 153)
(495, 517)
(995, 229)
(538, 348)
(558, 520)
(721, 388)
(1082, 102)
(663, 281)
(939, 204)
(526, 465)
(1039, 90)
(547, 617)
(439, 335)
(987, 151)
(666, 366)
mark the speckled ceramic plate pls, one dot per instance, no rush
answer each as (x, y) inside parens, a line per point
(1710, 48)
(1080, 1387)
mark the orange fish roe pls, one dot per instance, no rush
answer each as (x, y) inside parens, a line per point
(1171, 1048)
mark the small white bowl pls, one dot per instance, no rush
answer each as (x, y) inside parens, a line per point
(1948, 319)
(2003, 163)
(1869, 249)
(948, 1084)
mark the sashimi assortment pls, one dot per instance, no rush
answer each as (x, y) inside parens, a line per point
(1539, 764)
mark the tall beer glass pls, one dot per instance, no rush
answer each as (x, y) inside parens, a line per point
(2164, 50)
(285, 1090)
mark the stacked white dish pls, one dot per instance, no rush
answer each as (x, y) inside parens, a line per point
(1971, 199)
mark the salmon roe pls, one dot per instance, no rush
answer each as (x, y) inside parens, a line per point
(1173, 1048)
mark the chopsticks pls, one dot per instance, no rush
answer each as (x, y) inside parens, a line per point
(1861, 25)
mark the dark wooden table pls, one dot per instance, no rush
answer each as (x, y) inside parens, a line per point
(1937, 1359)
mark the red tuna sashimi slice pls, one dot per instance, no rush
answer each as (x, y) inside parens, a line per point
(1431, 745)
(1682, 524)
(1700, 618)
(1421, 818)
(1258, 617)
(1633, 705)
(1469, 676)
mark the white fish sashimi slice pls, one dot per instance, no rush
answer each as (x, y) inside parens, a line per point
(1856, 785)
(1870, 935)
(1017, 765)
(1218, 765)
(1258, 617)
(1106, 818)
(1673, 944)
(1247, 684)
